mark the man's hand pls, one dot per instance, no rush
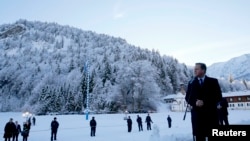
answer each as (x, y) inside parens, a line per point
(191, 107)
(199, 103)
(219, 106)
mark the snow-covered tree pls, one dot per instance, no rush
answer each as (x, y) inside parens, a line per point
(41, 70)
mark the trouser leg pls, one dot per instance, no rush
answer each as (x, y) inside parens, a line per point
(94, 129)
(52, 133)
(200, 138)
(55, 134)
(226, 121)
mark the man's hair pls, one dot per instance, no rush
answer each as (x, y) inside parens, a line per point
(203, 66)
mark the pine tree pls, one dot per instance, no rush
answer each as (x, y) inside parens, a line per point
(58, 69)
(84, 89)
(245, 83)
(230, 78)
(70, 105)
(71, 65)
(173, 72)
(43, 100)
(106, 71)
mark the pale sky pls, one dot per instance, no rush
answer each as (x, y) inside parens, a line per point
(191, 31)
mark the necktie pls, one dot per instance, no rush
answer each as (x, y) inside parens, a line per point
(201, 82)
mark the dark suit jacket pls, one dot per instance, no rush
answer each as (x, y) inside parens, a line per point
(54, 125)
(206, 117)
(9, 129)
(92, 123)
(17, 129)
(129, 121)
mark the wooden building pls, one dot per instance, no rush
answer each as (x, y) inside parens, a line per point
(177, 102)
(238, 100)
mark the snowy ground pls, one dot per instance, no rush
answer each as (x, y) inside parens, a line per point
(112, 127)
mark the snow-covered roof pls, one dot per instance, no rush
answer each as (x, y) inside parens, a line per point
(239, 93)
(170, 96)
(179, 95)
(174, 96)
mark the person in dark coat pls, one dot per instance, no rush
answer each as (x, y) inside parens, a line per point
(93, 126)
(203, 95)
(139, 121)
(9, 130)
(26, 130)
(169, 121)
(148, 121)
(223, 112)
(28, 125)
(17, 131)
(129, 122)
(29, 121)
(54, 128)
(34, 121)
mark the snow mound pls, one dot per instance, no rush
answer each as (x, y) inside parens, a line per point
(155, 136)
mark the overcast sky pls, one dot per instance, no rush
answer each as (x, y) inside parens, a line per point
(192, 31)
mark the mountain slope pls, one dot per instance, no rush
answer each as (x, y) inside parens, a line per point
(42, 70)
(237, 67)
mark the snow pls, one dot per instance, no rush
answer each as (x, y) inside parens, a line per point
(112, 127)
(13, 51)
(179, 95)
(38, 45)
(170, 96)
(238, 67)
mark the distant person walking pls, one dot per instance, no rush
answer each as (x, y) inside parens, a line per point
(16, 131)
(169, 121)
(34, 121)
(129, 122)
(9, 130)
(148, 121)
(29, 121)
(139, 121)
(54, 128)
(93, 126)
(26, 130)
(223, 112)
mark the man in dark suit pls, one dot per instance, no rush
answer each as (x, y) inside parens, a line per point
(223, 112)
(148, 121)
(17, 131)
(129, 122)
(9, 130)
(203, 95)
(139, 121)
(169, 121)
(54, 128)
(93, 126)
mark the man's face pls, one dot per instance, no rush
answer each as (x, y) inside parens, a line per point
(198, 72)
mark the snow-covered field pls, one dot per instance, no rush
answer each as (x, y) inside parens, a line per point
(112, 127)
